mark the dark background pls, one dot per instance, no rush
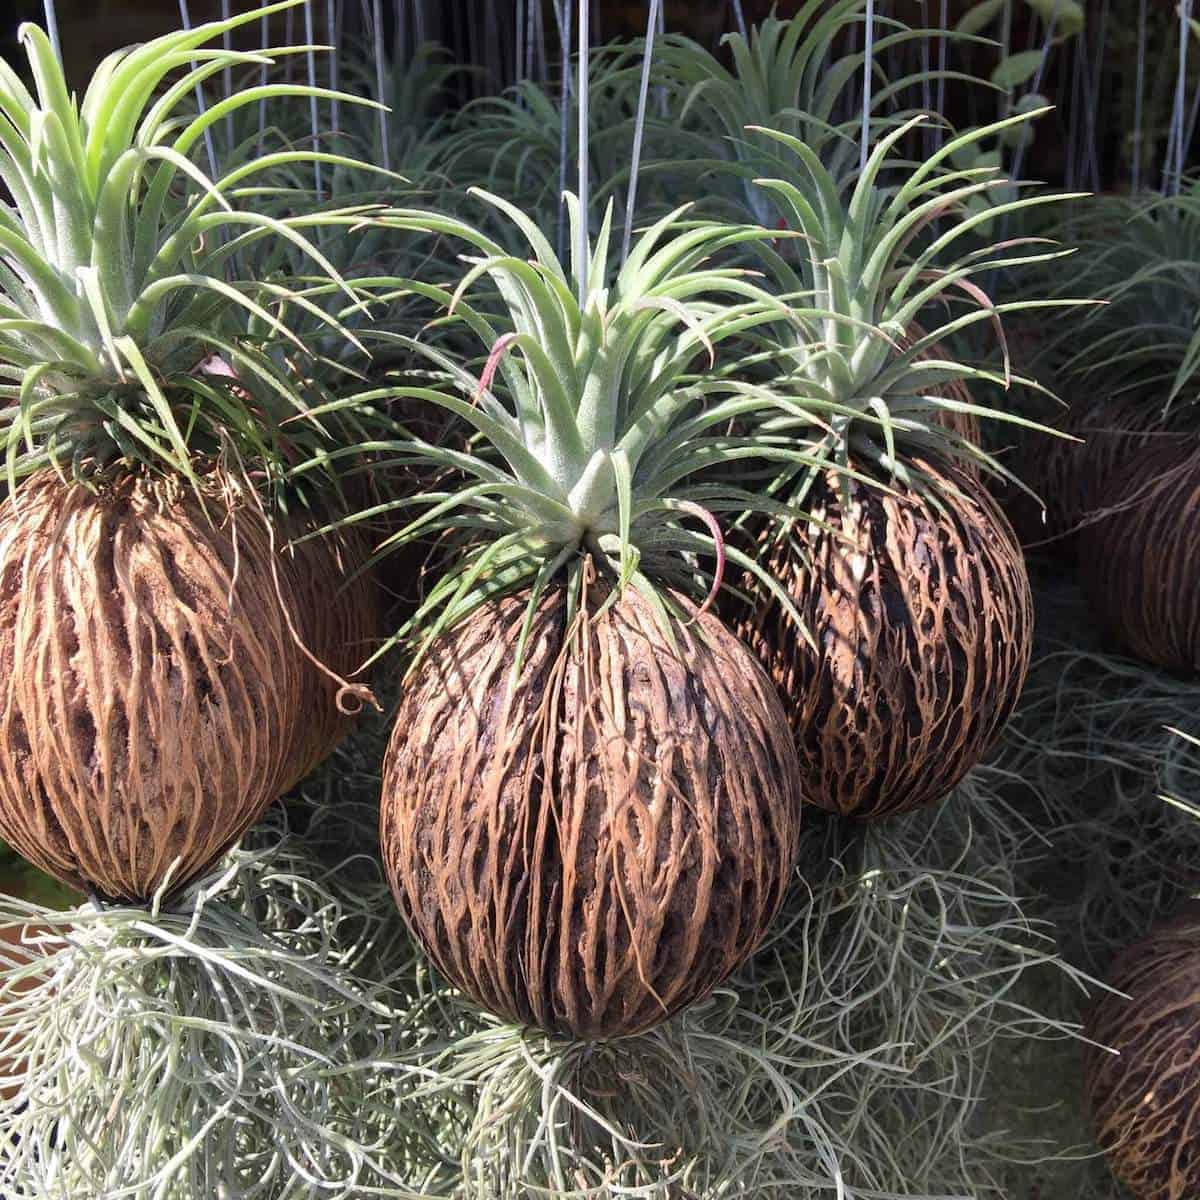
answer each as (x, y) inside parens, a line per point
(1089, 142)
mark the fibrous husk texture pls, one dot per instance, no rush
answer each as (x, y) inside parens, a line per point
(1145, 1100)
(149, 687)
(592, 847)
(1071, 476)
(1141, 562)
(922, 619)
(336, 606)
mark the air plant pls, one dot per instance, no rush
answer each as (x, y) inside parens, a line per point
(908, 578)
(561, 632)
(147, 439)
(799, 77)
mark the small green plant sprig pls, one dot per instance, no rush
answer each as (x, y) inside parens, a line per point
(592, 417)
(120, 297)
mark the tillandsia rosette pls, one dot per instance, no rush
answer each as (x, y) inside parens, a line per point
(1127, 490)
(159, 668)
(908, 578)
(799, 76)
(1130, 370)
(590, 803)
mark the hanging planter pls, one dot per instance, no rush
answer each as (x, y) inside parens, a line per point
(154, 684)
(1141, 1082)
(917, 613)
(1140, 562)
(590, 806)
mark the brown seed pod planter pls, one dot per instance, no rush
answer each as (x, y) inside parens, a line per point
(1071, 477)
(149, 687)
(1141, 563)
(922, 619)
(594, 846)
(1145, 1101)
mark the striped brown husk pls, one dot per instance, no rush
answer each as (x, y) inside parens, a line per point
(148, 685)
(922, 620)
(595, 845)
(1145, 1098)
(1141, 563)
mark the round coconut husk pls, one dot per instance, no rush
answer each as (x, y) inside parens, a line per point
(336, 609)
(922, 620)
(1070, 476)
(149, 686)
(596, 845)
(1140, 563)
(1144, 1100)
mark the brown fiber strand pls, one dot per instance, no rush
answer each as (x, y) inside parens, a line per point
(338, 606)
(923, 622)
(599, 845)
(1145, 1101)
(143, 717)
(1140, 564)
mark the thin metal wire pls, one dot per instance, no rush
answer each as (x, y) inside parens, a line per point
(584, 183)
(740, 17)
(661, 90)
(209, 147)
(52, 28)
(1174, 178)
(1138, 98)
(1036, 85)
(377, 21)
(519, 53)
(640, 127)
(331, 22)
(310, 37)
(868, 63)
(563, 11)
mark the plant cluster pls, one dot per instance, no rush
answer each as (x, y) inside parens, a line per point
(681, 493)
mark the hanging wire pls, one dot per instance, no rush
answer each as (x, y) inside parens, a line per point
(740, 17)
(1138, 98)
(52, 28)
(1174, 178)
(519, 55)
(640, 127)
(563, 10)
(211, 150)
(1036, 85)
(868, 63)
(310, 37)
(584, 87)
(331, 24)
(661, 90)
(531, 34)
(377, 20)
(941, 83)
